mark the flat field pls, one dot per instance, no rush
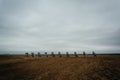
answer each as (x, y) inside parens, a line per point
(20, 67)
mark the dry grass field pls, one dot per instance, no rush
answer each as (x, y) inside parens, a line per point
(102, 67)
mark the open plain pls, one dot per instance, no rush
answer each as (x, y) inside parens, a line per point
(20, 67)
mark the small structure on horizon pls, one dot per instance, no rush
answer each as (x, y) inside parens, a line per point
(46, 54)
(94, 54)
(32, 54)
(26, 54)
(59, 54)
(39, 55)
(75, 53)
(67, 54)
(84, 53)
(52, 53)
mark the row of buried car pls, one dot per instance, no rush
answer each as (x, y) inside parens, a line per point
(59, 54)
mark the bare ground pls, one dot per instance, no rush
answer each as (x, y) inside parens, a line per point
(102, 67)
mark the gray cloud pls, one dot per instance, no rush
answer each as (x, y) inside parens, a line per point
(59, 25)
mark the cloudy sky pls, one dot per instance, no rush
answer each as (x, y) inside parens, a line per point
(33, 25)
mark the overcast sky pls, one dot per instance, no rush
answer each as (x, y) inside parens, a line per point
(33, 25)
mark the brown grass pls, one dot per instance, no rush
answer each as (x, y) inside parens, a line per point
(102, 67)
